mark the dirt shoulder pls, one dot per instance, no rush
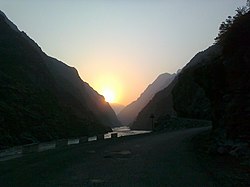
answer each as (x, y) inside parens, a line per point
(226, 170)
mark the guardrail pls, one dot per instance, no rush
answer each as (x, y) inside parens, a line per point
(19, 151)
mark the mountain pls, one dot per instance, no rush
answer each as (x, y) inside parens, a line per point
(214, 85)
(160, 105)
(86, 95)
(117, 107)
(41, 98)
(129, 113)
(189, 98)
(225, 80)
(184, 97)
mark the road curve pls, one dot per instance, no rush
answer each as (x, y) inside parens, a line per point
(158, 159)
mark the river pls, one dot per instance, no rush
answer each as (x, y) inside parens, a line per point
(121, 131)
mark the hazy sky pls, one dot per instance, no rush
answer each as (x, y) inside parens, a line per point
(121, 45)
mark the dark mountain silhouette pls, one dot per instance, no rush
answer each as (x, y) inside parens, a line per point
(213, 85)
(189, 98)
(68, 81)
(224, 78)
(183, 96)
(226, 82)
(42, 98)
(160, 105)
(129, 113)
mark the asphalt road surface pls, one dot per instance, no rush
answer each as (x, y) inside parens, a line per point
(157, 159)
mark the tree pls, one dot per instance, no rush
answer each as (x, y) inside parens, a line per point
(227, 24)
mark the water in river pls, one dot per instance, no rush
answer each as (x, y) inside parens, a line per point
(125, 131)
(121, 131)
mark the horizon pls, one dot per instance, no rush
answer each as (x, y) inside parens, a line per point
(120, 48)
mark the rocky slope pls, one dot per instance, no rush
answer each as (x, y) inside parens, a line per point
(42, 98)
(129, 113)
(182, 98)
(68, 82)
(189, 98)
(214, 85)
(226, 82)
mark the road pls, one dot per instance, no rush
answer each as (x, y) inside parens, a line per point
(157, 159)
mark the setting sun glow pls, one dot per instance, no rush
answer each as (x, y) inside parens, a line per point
(109, 95)
(110, 86)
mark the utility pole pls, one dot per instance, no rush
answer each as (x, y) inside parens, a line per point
(152, 118)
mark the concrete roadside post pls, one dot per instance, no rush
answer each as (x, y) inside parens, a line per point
(152, 121)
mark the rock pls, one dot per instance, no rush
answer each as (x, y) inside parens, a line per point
(239, 150)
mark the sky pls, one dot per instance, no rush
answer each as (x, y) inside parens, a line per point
(120, 46)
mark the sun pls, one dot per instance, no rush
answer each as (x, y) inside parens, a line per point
(109, 95)
(110, 87)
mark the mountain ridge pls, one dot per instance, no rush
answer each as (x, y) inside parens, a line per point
(214, 86)
(129, 113)
(167, 102)
(41, 98)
